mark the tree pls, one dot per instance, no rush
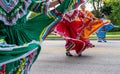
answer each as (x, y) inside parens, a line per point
(114, 11)
(110, 7)
(97, 4)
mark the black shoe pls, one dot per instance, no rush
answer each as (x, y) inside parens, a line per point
(68, 54)
(99, 41)
(79, 55)
(104, 40)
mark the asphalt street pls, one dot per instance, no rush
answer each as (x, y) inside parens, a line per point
(104, 58)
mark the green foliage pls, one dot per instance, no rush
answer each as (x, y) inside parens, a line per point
(112, 9)
(106, 9)
(115, 30)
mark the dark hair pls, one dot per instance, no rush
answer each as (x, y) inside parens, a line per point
(59, 1)
(102, 15)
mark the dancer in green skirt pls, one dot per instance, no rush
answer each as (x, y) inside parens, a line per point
(20, 37)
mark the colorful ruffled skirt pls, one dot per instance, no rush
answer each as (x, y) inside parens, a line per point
(19, 43)
(77, 32)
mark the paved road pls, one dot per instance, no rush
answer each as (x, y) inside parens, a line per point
(103, 59)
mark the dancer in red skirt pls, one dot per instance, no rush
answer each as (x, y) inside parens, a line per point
(75, 27)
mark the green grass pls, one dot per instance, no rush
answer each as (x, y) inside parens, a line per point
(92, 36)
(113, 35)
(107, 36)
(53, 36)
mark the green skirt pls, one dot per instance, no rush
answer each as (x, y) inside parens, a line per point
(18, 59)
(20, 44)
(18, 50)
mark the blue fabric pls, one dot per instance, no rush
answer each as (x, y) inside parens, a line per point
(109, 27)
(101, 32)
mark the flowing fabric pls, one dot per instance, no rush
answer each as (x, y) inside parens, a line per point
(75, 28)
(101, 32)
(20, 36)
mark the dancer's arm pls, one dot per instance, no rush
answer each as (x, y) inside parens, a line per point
(43, 6)
(68, 5)
(54, 3)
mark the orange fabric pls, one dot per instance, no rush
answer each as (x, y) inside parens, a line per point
(91, 27)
